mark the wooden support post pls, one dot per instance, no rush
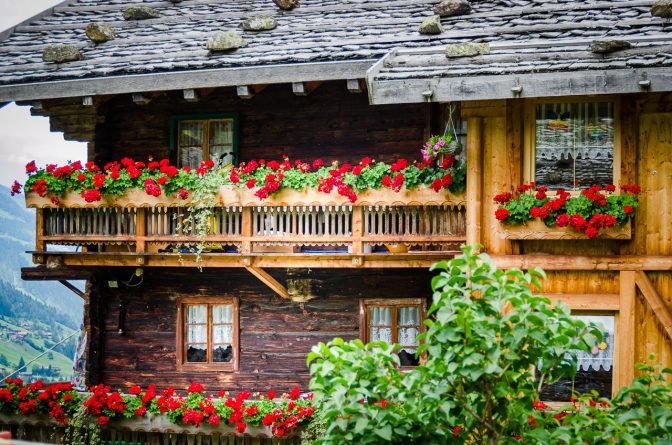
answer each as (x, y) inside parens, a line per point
(269, 281)
(625, 351)
(249, 91)
(656, 302)
(474, 178)
(246, 230)
(141, 231)
(40, 245)
(141, 99)
(357, 229)
(87, 101)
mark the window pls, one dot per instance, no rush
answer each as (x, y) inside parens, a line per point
(572, 145)
(394, 321)
(207, 333)
(594, 369)
(204, 137)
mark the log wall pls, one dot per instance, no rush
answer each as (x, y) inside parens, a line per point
(330, 123)
(275, 334)
(645, 124)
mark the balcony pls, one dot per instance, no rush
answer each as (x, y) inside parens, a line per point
(382, 228)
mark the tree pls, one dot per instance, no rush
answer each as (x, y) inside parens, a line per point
(22, 363)
(487, 331)
(3, 360)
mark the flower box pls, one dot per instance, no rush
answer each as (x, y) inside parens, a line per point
(537, 230)
(149, 423)
(236, 196)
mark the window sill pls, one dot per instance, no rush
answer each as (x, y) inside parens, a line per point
(537, 230)
(229, 367)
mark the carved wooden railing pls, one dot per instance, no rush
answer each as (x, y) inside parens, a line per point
(289, 222)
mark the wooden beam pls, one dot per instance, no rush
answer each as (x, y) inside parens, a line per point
(658, 306)
(588, 302)
(586, 263)
(70, 286)
(626, 329)
(190, 95)
(141, 99)
(356, 85)
(179, 80)
(304, 88)
(269, 281)
(249, 91)
(474, 178)
(581, 83)
(41, 273)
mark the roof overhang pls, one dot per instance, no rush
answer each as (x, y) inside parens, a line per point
(413, 75)
(580, 83)
(178, 80)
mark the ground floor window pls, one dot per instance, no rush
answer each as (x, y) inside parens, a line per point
(394, 321)
(208, 332)
(594, 368)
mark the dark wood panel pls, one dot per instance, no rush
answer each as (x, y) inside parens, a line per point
(330, 123)
(275, 334)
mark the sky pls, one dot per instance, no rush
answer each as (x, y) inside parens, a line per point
(23, 137)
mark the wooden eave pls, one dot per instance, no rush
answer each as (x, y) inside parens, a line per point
(180, 80)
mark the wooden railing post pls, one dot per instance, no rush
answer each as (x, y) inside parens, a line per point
(246, 230)
(625, 356)
(357, 229)
(141, 230)
(474, 179)
(40, 245)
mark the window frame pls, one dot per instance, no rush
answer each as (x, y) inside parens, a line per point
(530, 141)
(365, 303)
(180, 342)
(174, 145)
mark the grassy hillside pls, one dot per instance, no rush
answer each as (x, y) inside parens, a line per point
(34, 316)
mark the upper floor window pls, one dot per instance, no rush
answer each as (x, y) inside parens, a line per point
(394, 321)
(201, 138)
(572, 145)
(208, 332)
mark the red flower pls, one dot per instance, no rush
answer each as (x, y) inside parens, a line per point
(436, 185)
(135, 390)
(162, 180)
(234, 176)
(540, 195)
(195, 387)
(16, 188)
(386, 181)
(446, 180)
(448, 162)
(366, 161)
(562, 220)
(538, 405)
(31, 167)
(628, 209)
(399, 165)
(81, 177)
(503, 198)
(501, 214)
(317, 163)
(357, 170)
(141, 411)
(267, 420)
(592, 232)
(214, 419)
(102, 420)
(295, 393)
(114, 174)
(270, 395)
(91, 195)
(240, 427)
(184, 194)
(251, 183)
(610, 188)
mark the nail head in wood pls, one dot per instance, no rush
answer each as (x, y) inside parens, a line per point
(645, 84)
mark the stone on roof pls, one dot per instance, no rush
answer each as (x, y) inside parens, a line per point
(259, 23)
(100, 32)
(225, 41)
(449, 8)
(141, 13)
(662, 8)
(61, 53)
(287, 5)
(609, 46)
(468, 49)
(431, 25)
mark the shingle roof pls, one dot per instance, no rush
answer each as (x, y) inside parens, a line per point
(318, 31)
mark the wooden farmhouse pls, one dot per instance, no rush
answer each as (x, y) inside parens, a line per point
(562, 93)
